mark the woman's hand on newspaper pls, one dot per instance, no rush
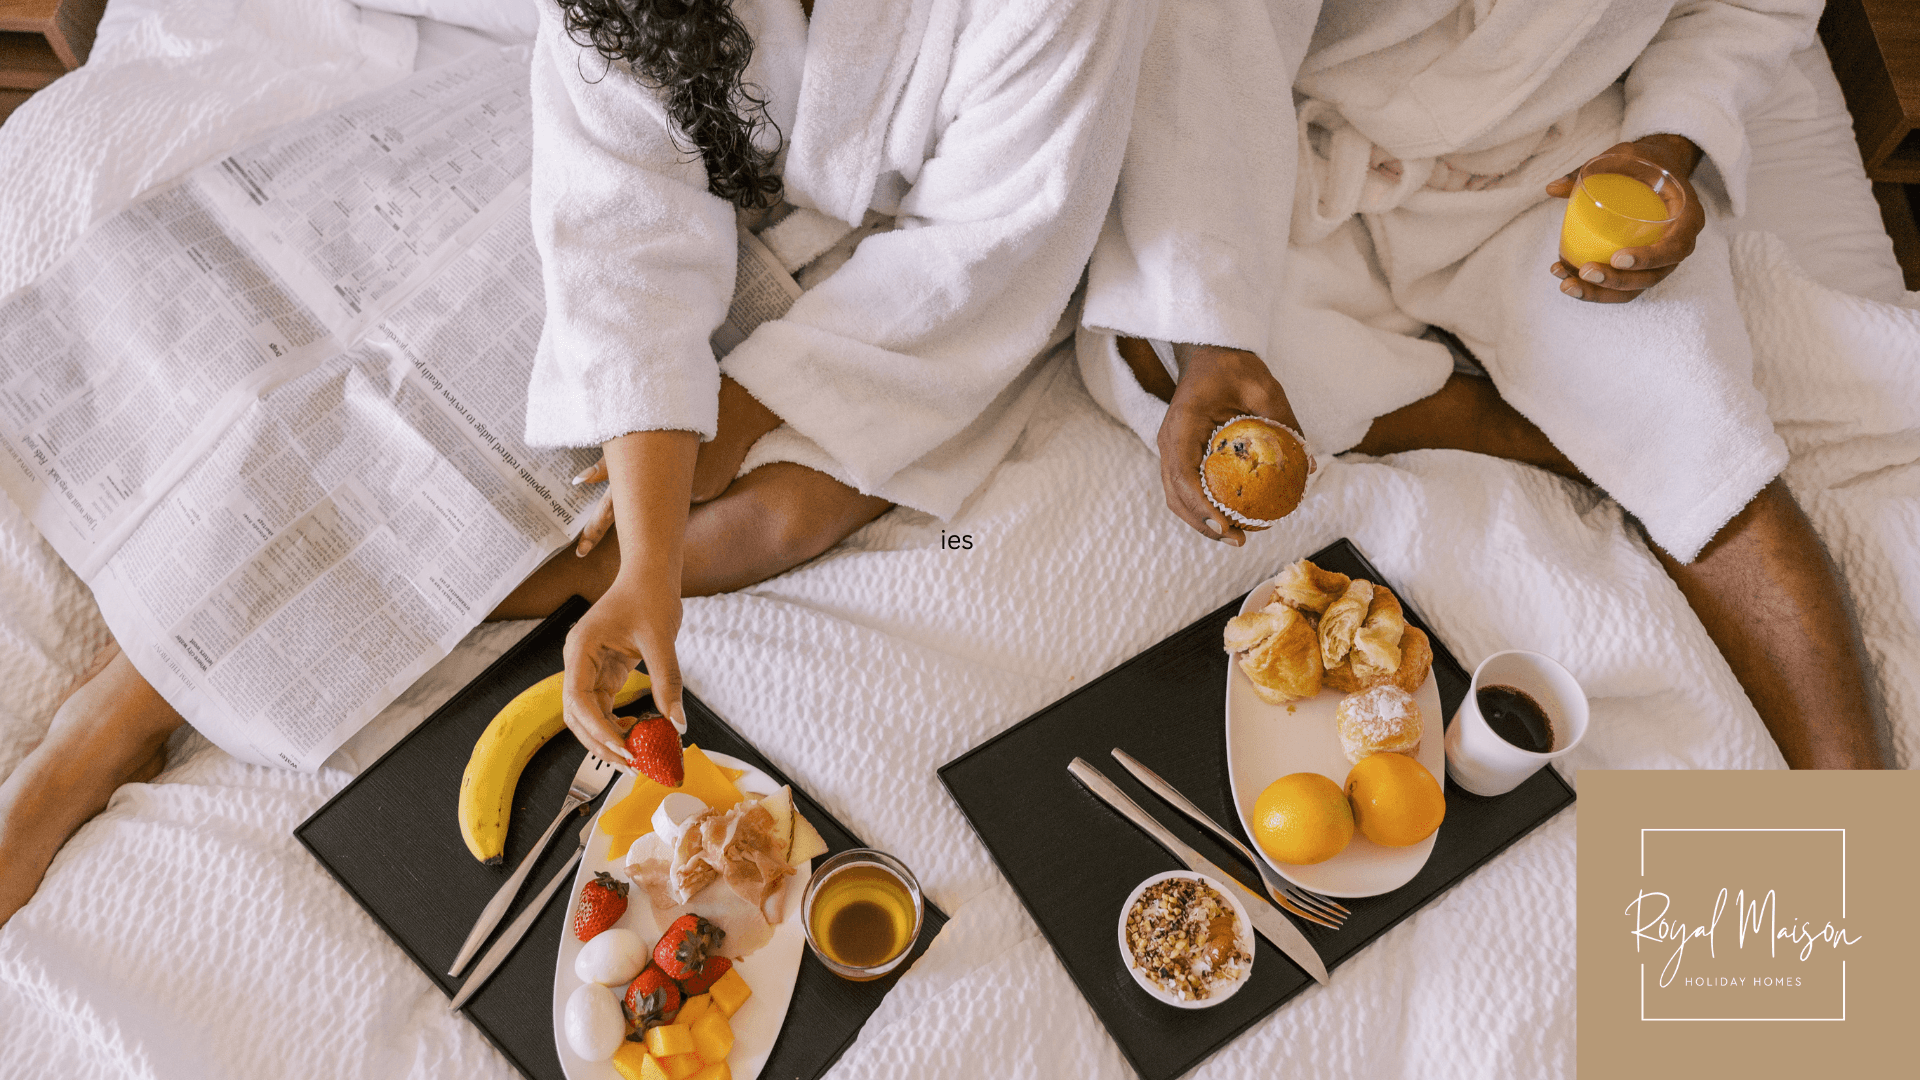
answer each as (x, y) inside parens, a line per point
(636, 620)
(1215, 386)
(1635, 270)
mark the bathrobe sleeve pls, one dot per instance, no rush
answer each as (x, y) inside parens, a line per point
(1708, 68)
(925, 325)
(637, 257)
(1195, 245)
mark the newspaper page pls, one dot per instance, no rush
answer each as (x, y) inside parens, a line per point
(272, 414)
(356, 522)
(282, 445)
(125, 361)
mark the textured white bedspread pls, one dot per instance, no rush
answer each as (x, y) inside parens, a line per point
(184, 933)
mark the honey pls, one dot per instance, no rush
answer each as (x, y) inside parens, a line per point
(862, 916)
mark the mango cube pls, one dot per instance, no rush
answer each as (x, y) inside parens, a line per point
(730, 992)
(627, 1060)
(669, 1040)
(691, 1009)
(713, 1036)
(682, 1066)
(633, 1062)
(716, 1071)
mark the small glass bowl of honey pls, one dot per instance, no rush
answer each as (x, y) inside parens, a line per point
(862, 911)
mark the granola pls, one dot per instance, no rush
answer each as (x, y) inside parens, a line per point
(1183, 938)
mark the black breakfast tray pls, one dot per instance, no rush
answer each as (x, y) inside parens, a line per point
(1073, 861)
(391, 839)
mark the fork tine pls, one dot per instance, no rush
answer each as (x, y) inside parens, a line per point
(1319, 905)
(1304, 913)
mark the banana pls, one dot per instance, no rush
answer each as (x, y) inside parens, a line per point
(503, 750)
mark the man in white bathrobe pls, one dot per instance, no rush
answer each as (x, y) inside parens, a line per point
(1281, 253)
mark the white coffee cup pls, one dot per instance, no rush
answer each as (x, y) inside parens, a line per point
(1482, 762)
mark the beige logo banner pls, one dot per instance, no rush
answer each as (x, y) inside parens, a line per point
(1749, 921)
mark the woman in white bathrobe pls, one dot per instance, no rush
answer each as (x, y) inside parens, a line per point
(945, 166)
(936, 171)
(1432, 145)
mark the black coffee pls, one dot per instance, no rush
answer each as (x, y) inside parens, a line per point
(1516, 718)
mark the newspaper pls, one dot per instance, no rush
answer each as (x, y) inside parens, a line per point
(272, 413)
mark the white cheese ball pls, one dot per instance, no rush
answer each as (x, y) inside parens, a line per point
(595, 1025)
(612, 958)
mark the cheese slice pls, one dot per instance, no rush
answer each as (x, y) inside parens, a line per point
(632, 817)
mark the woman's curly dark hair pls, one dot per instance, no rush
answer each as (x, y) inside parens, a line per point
(693, 52)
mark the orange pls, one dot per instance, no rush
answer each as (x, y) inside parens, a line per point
(1396, 801)
(1302, 818)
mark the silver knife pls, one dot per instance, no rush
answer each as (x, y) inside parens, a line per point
(517, 929)
(1266, 918)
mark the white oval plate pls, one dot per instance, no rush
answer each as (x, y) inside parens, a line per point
(1266, 742)
(770, 971)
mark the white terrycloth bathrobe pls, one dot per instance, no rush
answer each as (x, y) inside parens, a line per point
(990, 131)
(1424, 133)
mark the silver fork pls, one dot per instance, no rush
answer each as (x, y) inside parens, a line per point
(1307, 905)
(589, 780)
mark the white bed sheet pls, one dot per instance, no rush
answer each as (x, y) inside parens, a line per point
(184, 932)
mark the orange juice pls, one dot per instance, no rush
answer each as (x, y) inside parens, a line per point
(1607, 212)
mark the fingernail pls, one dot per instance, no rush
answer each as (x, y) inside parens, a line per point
(1558, 271)
(1573, 289)
(580, 550)
(678, 718)
(1592, 274)
(1622, 261)
(619, 752)
(1214, 525)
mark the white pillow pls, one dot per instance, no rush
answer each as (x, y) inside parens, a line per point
(509, 19)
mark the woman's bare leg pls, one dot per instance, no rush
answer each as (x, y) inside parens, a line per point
(1764, 588)
(768, 522)
(112, 729)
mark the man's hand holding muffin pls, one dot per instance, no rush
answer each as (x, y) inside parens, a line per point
(1216, 385)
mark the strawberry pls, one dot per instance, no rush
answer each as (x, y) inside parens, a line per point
(654, 746)
(650, 997)
(701, 981)
(683, 950)
(602, 901)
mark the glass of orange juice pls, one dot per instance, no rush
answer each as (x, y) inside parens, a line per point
(1618, 201)
(862, 912)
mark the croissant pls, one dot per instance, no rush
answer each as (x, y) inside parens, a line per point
(1246, 631)
(1342, 620)
(1416, 660)
(1305, 587)
(1376, 645)
(1284, 665)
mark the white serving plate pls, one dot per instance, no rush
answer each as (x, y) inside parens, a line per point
(770, 971)
(1266, 742)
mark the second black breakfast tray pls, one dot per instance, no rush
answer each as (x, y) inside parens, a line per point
(1073, 861)
(391, 839)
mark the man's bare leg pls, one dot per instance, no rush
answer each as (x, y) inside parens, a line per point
(111, 730)
(1764, 588)
(768, 522)
(1771, 600)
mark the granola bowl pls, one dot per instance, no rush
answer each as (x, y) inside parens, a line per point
(1175, 946)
